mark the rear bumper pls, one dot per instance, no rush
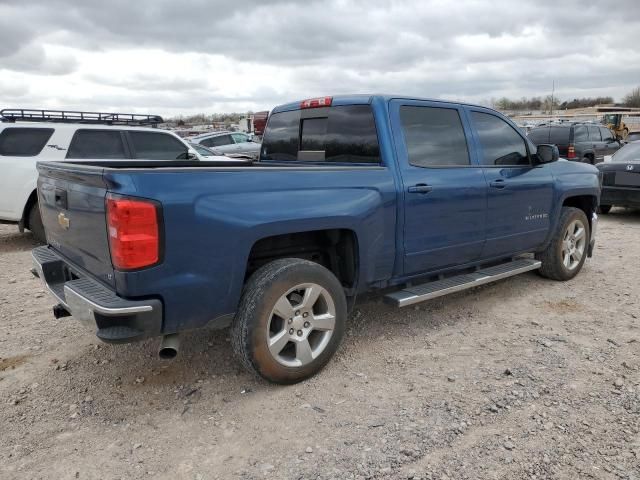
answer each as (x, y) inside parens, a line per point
(621, 196)
(115, 319)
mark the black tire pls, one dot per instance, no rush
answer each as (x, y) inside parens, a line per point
(604, 209)
(35, 224)
(588, 159)
(552, 257)
(250, 327)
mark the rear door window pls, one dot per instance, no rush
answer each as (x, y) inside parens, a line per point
(434, 136)
(240, 137)
(594, 134)
(23, 142)
(217, 141)
(97, 144)
(580, 134)
(341, 134)
(156, 146)
(501, 144)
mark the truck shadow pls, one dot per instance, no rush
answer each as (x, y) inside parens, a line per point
(11, 240)
(130, 379)
(631, 215)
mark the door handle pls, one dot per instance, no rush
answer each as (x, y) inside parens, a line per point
(498, 183)
(420, 188)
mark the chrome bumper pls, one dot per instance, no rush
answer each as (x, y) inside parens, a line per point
(116, 320)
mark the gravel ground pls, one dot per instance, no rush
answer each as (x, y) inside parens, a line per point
(525, 378)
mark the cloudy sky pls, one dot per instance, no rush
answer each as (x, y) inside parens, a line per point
(171, 57)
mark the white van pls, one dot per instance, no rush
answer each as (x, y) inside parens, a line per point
(31, 136)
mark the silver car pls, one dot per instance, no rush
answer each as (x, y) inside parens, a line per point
(228, 143)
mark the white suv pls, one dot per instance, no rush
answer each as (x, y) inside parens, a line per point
(31, 136)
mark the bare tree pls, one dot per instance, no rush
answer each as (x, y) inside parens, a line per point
(632, 99)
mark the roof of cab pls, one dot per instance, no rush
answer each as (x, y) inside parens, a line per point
(363, 99)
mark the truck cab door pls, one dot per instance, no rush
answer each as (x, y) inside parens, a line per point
(443, 194)
(520, 194)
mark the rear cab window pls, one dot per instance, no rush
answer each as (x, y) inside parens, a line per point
(336, 134)
(23, 142)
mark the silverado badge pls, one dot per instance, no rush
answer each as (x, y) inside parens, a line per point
(63, 221)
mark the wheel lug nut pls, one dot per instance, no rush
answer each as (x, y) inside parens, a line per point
(297, 312)
(305, 315)
(299, 333)
(290, 320)
(306, 324)
(291, 331)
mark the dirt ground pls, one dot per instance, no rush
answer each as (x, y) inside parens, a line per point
(525, 378)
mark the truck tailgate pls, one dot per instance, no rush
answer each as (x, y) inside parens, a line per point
(72, 205)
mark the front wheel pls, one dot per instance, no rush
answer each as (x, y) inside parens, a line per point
(564, 256)
(290, 321)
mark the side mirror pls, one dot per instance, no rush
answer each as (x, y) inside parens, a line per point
(191, 155)
(547, 153)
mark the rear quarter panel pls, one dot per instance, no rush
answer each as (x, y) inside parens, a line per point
(213, 218)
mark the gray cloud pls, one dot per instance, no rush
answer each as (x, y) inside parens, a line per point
(464, 49)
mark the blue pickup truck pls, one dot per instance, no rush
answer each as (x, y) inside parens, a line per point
(400, 197)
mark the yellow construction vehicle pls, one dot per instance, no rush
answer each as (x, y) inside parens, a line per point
(614, 122)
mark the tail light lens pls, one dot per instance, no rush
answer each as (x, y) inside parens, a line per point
(134, 234)
(571, 151)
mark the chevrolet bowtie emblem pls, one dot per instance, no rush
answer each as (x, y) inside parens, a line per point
(63, 221)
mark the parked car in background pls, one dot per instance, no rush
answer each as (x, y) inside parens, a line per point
(228, 143)
(31, 136)
(621, 178)
(632, 137)
(581, 141)
(208, 154)
(352, 195)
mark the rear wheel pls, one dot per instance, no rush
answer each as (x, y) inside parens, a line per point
(35, 224)
(587, 159)
(290, 321)
(604, 209)
(564, 256)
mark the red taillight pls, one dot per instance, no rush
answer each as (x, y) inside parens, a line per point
(316, 102)
(571, 152)
(134, 236)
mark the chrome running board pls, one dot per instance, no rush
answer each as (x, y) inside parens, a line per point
(438, 288)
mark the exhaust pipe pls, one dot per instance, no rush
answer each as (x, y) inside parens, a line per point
(169, 346)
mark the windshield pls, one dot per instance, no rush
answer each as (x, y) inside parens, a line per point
(205, 152)
(628, 153)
